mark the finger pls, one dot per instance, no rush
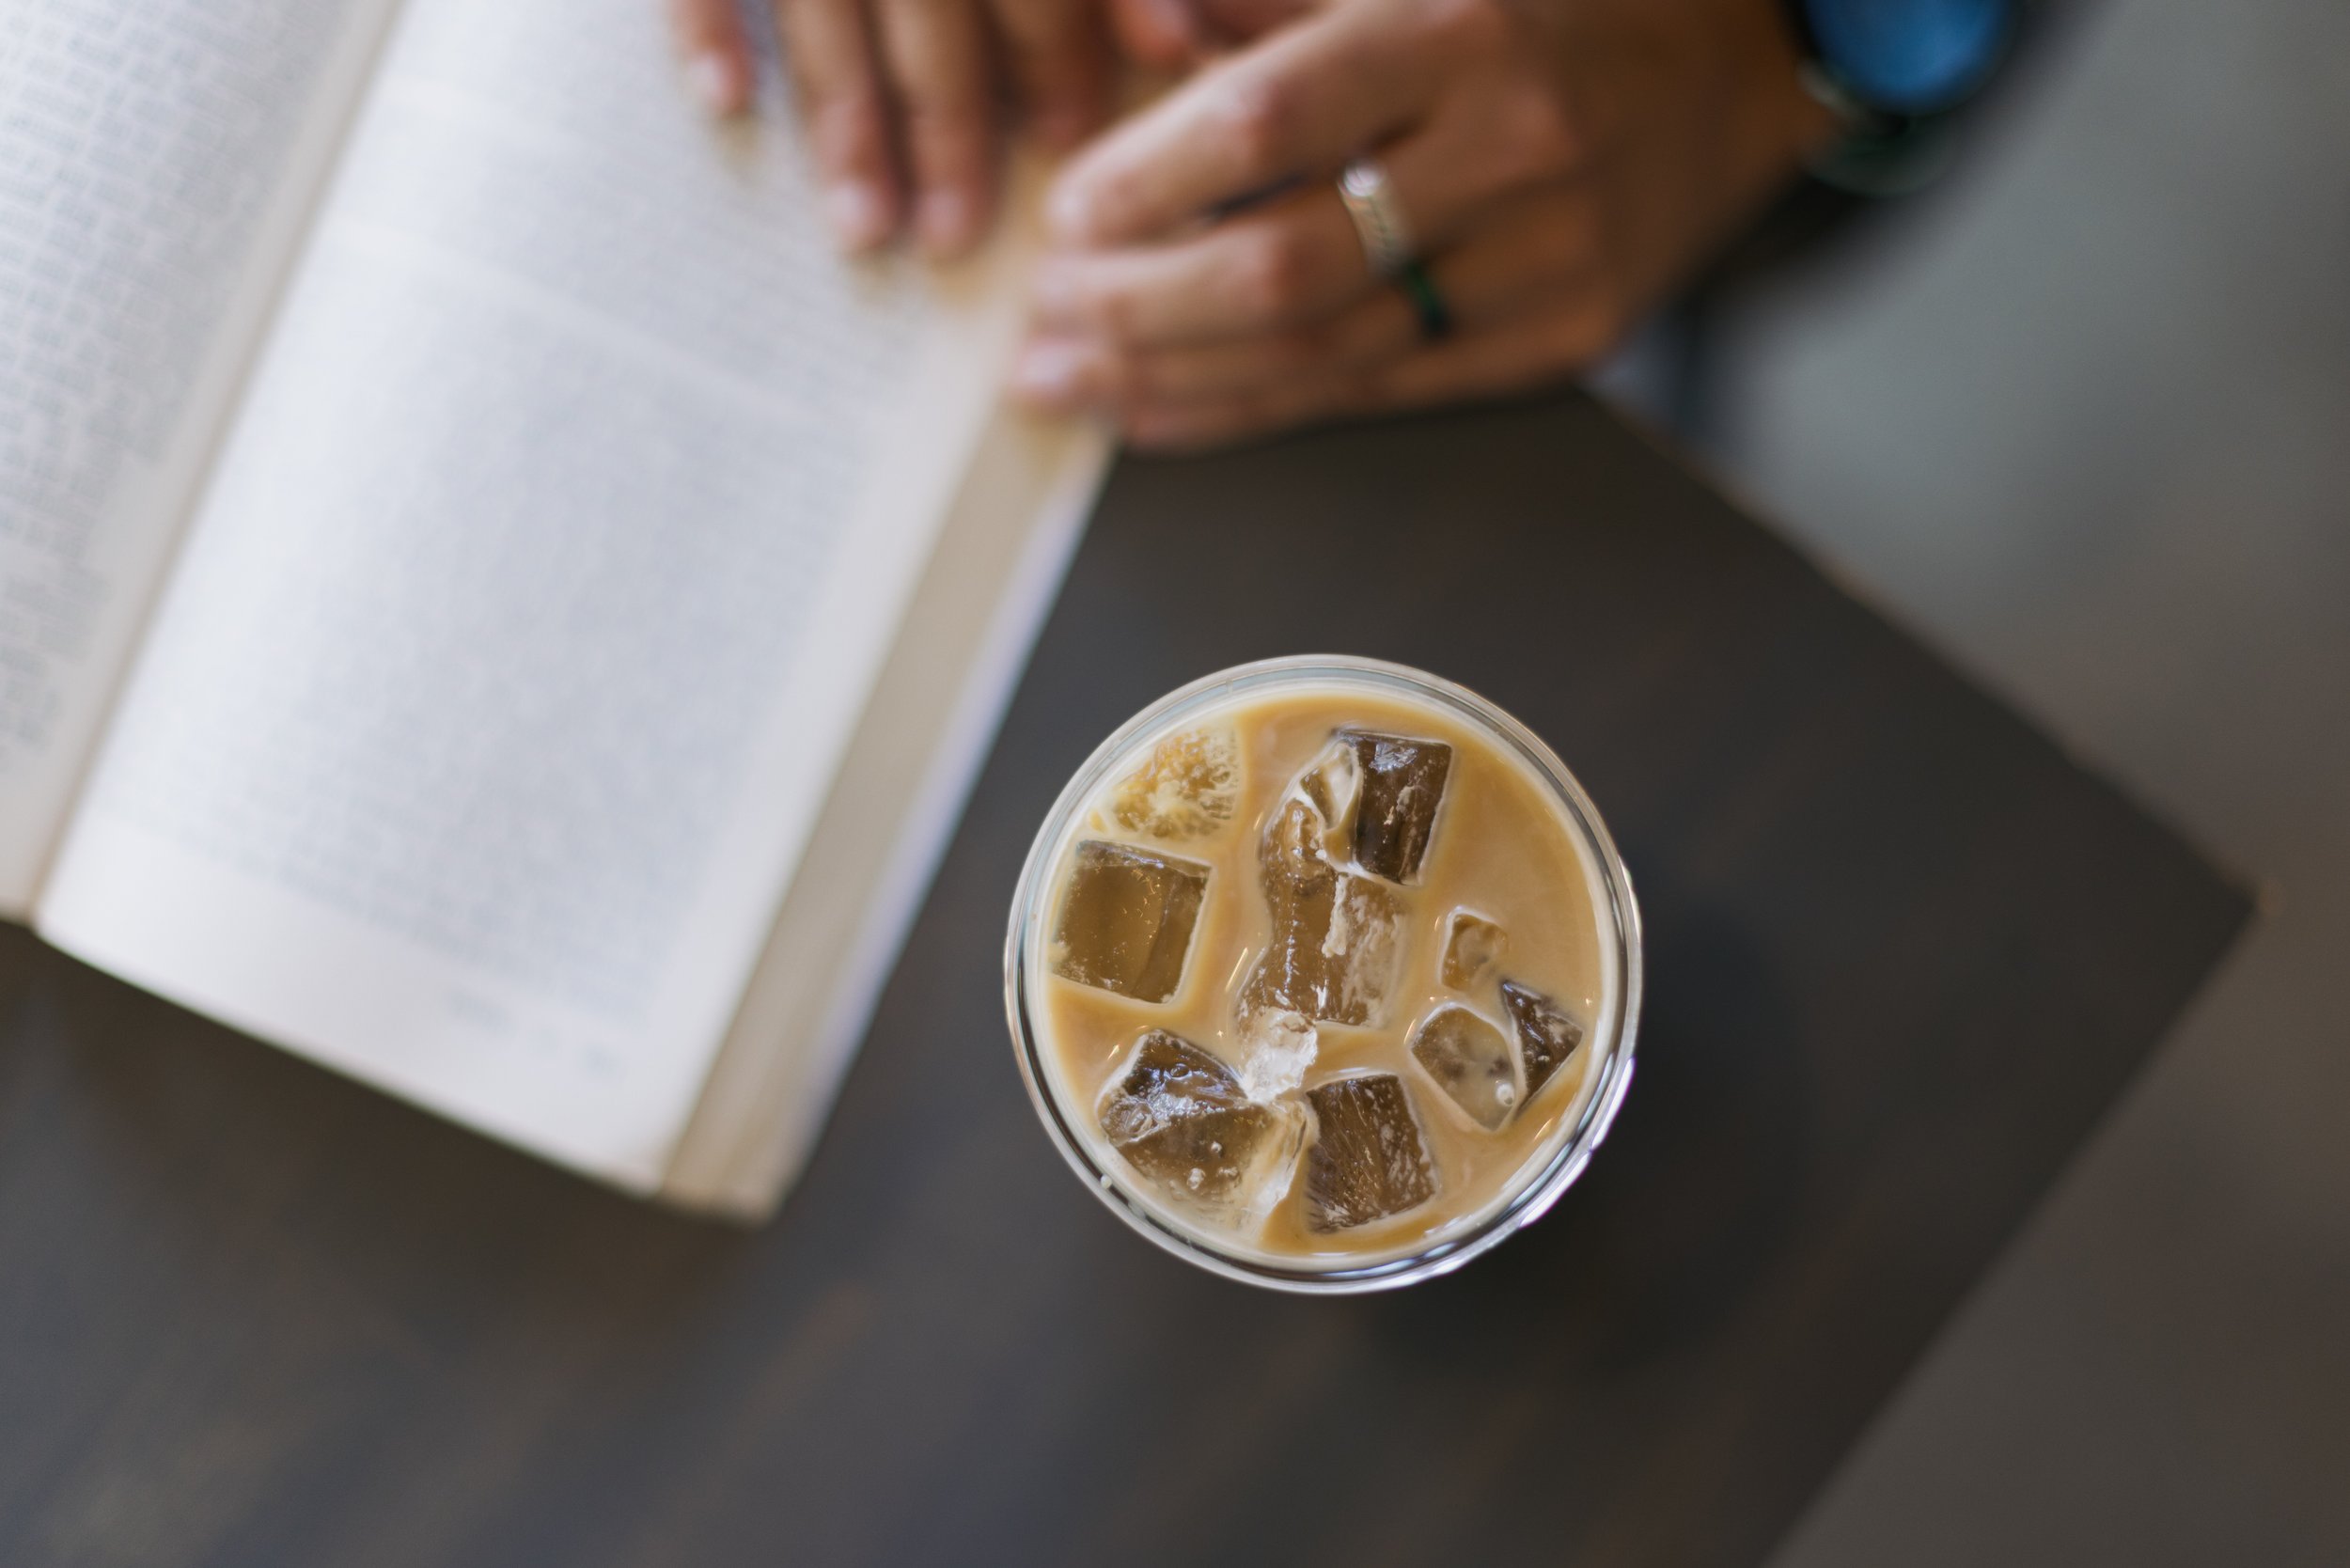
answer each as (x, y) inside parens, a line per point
(1060, 60)
(1565, 337)
(1300, 103)
(1064, 375)
(936, 52)
(838, 90)
(717, 52)
(1535, 249)
(1292, 260)
(1281, 271)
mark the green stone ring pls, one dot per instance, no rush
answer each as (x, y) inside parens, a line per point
(1436, 317)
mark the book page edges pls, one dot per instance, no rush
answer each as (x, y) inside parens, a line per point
(892, 807)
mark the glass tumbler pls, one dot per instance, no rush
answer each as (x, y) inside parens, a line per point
(1548, 1170)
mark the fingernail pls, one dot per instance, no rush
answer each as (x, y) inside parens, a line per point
(946, 220)
(858, 218)
(715, 83)
(1048, 373)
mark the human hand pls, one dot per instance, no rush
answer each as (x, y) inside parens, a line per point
(902, 98)
(1563, 164)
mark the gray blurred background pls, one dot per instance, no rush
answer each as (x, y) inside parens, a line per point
(2081, 417)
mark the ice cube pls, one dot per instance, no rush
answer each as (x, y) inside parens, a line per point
(1125, 924)
(1470, 1061)
(1546, 1036)
(1472, 943)
(1291, 855)
(1403, 785)
(1366, 1160)
(1335, 935)
(1187, 787)
(1329, 786)
(1179, 1117)
(1277, 1048)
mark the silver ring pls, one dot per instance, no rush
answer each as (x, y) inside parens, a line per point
(1379, 221)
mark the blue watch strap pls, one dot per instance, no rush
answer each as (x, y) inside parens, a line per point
(1906, 58)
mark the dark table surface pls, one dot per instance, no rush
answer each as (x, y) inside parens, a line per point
(1902, 953)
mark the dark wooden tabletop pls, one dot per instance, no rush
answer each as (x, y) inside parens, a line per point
(1902, 953)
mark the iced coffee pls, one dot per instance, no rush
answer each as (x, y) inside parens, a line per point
(1324, 969)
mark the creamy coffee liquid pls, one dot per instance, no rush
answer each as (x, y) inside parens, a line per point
(1315, 991)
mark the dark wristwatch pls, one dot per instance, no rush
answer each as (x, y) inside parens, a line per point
(1895, 71)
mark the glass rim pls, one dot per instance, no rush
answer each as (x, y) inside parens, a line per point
(1614, 1060)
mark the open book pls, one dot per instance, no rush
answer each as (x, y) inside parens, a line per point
(488, 599)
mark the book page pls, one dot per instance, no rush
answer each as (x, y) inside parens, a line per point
(157, 161)
(574, 506)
